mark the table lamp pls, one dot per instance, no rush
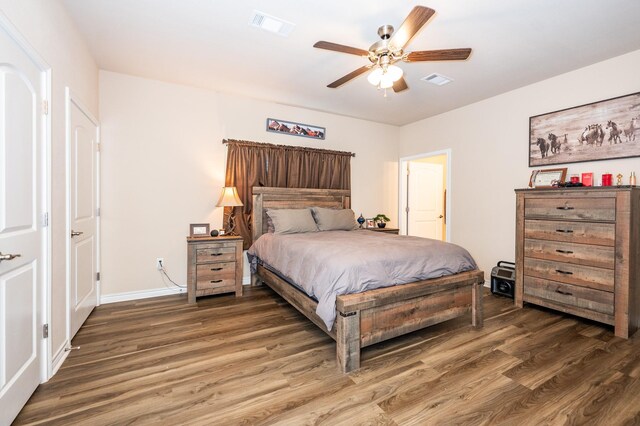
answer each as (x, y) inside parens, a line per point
(229, 198)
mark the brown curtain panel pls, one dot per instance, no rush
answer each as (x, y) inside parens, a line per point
(252, 164)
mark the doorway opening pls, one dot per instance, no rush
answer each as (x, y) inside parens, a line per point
(424, 208)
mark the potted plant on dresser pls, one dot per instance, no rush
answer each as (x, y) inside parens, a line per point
(381, 220)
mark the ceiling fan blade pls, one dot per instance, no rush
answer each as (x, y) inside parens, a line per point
(339, 82)
(341, 48)
(411, 25)
(400, 85)
(438, 55)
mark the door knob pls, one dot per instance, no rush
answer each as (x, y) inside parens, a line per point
(440, 217)
(76, 233)
(8, 256)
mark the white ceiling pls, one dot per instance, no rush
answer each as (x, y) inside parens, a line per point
(208, 43)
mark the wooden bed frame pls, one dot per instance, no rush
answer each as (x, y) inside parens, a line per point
(363, 319)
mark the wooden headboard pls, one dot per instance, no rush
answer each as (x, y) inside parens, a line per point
(292, 198)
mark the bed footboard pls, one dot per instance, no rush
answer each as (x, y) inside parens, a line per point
(364, 319)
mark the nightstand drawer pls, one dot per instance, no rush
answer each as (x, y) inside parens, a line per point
(222, 253)
(572, 208)
(216, 271)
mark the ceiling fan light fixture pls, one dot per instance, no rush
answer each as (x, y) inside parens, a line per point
(375, 76)
(394, 72)
(386, 82)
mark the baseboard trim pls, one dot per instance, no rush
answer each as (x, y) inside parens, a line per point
(142, 294)
(58, 359)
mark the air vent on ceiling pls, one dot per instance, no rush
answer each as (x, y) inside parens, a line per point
(271, 23)
(437, 79)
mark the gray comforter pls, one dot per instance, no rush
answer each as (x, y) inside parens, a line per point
(326, 264)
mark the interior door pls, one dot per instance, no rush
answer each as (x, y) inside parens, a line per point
(83, 206)
(425, 199)
(22, 237)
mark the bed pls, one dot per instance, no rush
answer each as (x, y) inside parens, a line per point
(372, 316)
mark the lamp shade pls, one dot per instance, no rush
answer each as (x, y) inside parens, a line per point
(229, 197)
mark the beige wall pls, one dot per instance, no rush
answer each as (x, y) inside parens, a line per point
(489, 142)
(47, 27)
(163, 165)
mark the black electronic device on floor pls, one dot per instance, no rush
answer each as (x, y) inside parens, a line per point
(503, 279)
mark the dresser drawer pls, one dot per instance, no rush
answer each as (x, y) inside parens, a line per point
(220, 253)
(572, 208)
(602, 234)
(579, 254)
(570, 295)
(584, 276)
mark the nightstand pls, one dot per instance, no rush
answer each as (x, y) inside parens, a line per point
(385, 230)
(214, 266)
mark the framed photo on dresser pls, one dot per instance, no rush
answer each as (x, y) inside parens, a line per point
(199, 230)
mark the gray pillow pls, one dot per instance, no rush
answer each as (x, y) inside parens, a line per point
(334, 219)
(292, 221)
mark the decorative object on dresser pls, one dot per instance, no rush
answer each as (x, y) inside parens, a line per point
(360, 220)
(384, 230)
(214, 266)
(586, 133)
(229, 198)
(547, 178)
(370, 224)
(578, 251)
(198, 230)
(381, 220)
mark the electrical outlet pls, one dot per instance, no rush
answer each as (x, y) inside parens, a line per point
(159, 263)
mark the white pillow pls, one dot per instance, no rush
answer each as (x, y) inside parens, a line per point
(292, 221)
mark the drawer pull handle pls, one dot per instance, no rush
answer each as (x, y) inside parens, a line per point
(564, 272)
(216, 281)
(565, 231)
(566, 293)
(216, 269)
(216, 254)
(564, 251)
(565, 208)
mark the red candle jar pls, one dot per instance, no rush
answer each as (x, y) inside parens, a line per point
(587, 179)
(575, 178)
(607, 179)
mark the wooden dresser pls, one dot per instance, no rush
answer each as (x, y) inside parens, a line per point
(578, 251)
(214, 266)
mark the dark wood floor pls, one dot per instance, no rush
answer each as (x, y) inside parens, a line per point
(255, 360)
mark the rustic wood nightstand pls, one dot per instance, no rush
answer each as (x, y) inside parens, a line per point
(386, 230)
(214, 266)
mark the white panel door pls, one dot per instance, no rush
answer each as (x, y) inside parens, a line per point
(425, 199)
(83, 194)
(21, 228)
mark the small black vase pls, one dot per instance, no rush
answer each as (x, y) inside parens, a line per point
(382, 224)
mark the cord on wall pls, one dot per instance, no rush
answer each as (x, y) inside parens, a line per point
(164, 274)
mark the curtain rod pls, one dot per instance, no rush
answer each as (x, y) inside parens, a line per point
(292, 147)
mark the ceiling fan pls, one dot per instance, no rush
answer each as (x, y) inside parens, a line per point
(386, 52)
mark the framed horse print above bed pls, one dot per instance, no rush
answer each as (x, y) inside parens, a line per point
(600, 130)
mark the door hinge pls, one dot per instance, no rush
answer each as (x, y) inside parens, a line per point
(406, 209)
(98, 212)
(97, 276)
(98, 147)
(45, 331)
(45, 107)
(45, 219)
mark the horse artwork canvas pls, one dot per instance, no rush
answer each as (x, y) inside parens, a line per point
(601, 130)
(296, 129)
